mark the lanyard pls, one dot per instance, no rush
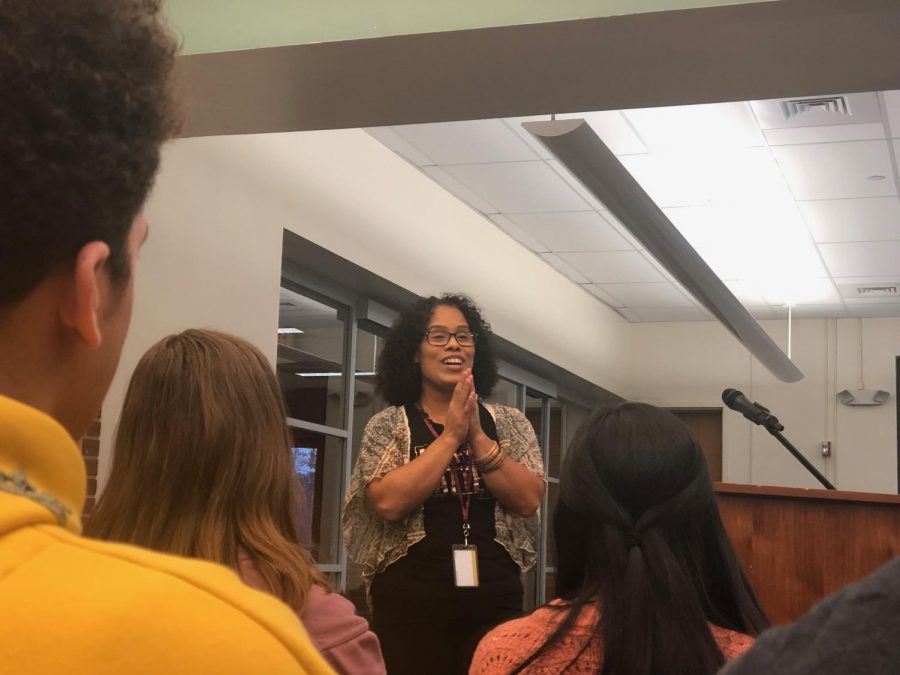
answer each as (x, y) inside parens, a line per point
(461, 478)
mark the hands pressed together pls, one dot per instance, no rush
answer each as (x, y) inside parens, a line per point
(462, 423)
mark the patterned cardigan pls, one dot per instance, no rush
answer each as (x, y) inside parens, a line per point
(376, 543)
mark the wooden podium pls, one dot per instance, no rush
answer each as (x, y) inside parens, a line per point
(798, 546)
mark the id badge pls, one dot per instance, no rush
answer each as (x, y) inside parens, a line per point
(465, 566)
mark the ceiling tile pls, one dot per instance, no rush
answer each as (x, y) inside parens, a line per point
(873, 311)
(836, 170)
(707, 176)
(747, 292)
(637, 296)
(454, 187)
(471, 142)
(828, 134)
(518, 233)
(612, 267)
(664, 273)
(571, 231)
(892, 105)
(518, 187)
(393, 141)
(862, 259)
(576, 185)
(666, 314)
(736, 239)
(760, 312)
(563, 266)
(703, 225)
(597, 292)
(623, 231)
(715, 125)
(803, 291)
(832, 311)
(669, 181)
(837, 220)
(628, 314)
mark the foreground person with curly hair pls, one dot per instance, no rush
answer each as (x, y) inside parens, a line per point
(442, 501)
(84, 108)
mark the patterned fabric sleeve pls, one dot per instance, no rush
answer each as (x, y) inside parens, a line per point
(519, 439)
(518, 535)
(381, 450)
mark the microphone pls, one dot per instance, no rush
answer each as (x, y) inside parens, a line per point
(754, 412)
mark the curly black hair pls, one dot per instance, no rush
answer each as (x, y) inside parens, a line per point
(85, 103)
(398, 376)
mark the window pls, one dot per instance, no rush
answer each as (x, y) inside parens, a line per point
(311, 342)
(367, 402)
(314, 342)
(564, 419)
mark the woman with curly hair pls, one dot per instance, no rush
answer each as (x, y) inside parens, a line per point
(647, 578)
(441, 510)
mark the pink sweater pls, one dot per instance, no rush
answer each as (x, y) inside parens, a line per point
(341, 635)
(509, 644)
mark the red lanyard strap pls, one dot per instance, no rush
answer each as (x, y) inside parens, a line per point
(460, 477)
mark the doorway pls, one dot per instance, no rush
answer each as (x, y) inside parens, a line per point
(706, 423)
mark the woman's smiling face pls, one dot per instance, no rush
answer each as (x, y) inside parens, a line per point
(443, 366)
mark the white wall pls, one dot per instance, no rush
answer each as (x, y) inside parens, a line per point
(689, 364)
(213, 258)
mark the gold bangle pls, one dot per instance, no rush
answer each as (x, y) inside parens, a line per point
(491, 461)
(489, 456)
(493, 467)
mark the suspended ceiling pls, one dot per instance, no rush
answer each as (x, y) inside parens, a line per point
(791, 202)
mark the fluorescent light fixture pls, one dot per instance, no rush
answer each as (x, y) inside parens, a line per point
(360, 373)
(581, 151)
(289, 331)
(713, 125)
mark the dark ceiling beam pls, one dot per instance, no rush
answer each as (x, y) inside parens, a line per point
(751, 51)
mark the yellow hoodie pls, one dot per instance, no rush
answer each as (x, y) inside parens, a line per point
(74, 605)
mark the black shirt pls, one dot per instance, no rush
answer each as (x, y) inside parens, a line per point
(428, 566)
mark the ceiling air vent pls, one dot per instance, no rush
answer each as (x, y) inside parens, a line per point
(876, 291)
(827, 104)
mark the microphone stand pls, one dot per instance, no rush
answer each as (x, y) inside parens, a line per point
(772, 429)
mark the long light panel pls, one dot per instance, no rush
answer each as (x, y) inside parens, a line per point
(575, 144)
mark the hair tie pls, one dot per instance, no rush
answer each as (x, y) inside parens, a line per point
(632, 539)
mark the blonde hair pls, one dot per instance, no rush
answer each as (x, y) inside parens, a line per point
(203, 464)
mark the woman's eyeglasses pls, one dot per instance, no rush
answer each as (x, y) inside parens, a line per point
(439, 338)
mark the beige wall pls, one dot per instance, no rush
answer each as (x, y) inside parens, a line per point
(689, 364)
(213, 258)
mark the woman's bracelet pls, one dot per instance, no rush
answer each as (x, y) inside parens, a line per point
(492, 461)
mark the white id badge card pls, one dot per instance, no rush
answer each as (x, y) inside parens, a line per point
(465, 566)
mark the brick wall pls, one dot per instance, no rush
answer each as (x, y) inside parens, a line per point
(90, 450)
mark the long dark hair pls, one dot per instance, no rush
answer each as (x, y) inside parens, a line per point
(637, 528)
(397, 374)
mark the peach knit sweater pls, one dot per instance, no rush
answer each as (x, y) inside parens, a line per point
(505, 647)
